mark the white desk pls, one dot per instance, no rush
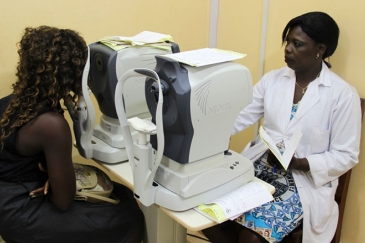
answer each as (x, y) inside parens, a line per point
(190, 219)
(163, 225)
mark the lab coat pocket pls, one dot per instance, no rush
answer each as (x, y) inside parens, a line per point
(321, 206)
(319, 142)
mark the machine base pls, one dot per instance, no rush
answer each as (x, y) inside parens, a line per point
(104, 153)
(202, 186)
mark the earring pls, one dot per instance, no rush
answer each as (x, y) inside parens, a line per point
(317, 56)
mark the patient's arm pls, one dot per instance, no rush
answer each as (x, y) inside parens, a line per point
(50, 133)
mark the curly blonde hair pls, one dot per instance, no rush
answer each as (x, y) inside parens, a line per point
(51, 63)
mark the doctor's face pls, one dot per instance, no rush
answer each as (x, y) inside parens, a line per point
(300, 50)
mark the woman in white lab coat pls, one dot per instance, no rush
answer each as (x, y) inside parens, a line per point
(308, 97)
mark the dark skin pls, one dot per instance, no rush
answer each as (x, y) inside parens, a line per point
(295, 163)
(50, 133)
(300, 55)
(304, 56)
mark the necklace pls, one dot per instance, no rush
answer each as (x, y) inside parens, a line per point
(305, 88)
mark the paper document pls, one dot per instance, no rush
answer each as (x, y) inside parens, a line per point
(145, 38)
(290, 148)
(150, 37)
(205, 56)
(233, 204)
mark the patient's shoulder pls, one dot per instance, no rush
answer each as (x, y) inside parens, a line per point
(43, 131)
(50, 124)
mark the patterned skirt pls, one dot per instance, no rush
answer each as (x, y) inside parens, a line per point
(275, 219)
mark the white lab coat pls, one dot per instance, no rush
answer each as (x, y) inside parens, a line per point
(329, 116)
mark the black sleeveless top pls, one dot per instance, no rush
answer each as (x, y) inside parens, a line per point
(13, 166)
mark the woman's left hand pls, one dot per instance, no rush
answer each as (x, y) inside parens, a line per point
(299, 164)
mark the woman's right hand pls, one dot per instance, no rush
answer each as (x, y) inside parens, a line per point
(273, 161)
(42, 190)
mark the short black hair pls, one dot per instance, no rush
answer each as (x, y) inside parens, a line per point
(320, 27)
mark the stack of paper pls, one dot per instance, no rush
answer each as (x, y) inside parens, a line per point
(205, 56)
(145, 38)
(233, 204)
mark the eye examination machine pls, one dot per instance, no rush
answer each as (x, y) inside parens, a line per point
(106, 66)
(176, 137)
(187, 161)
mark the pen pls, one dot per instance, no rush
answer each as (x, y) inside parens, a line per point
(274, 169)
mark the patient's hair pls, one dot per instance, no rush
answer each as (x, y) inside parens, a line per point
(320, 27)
(51, 63)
